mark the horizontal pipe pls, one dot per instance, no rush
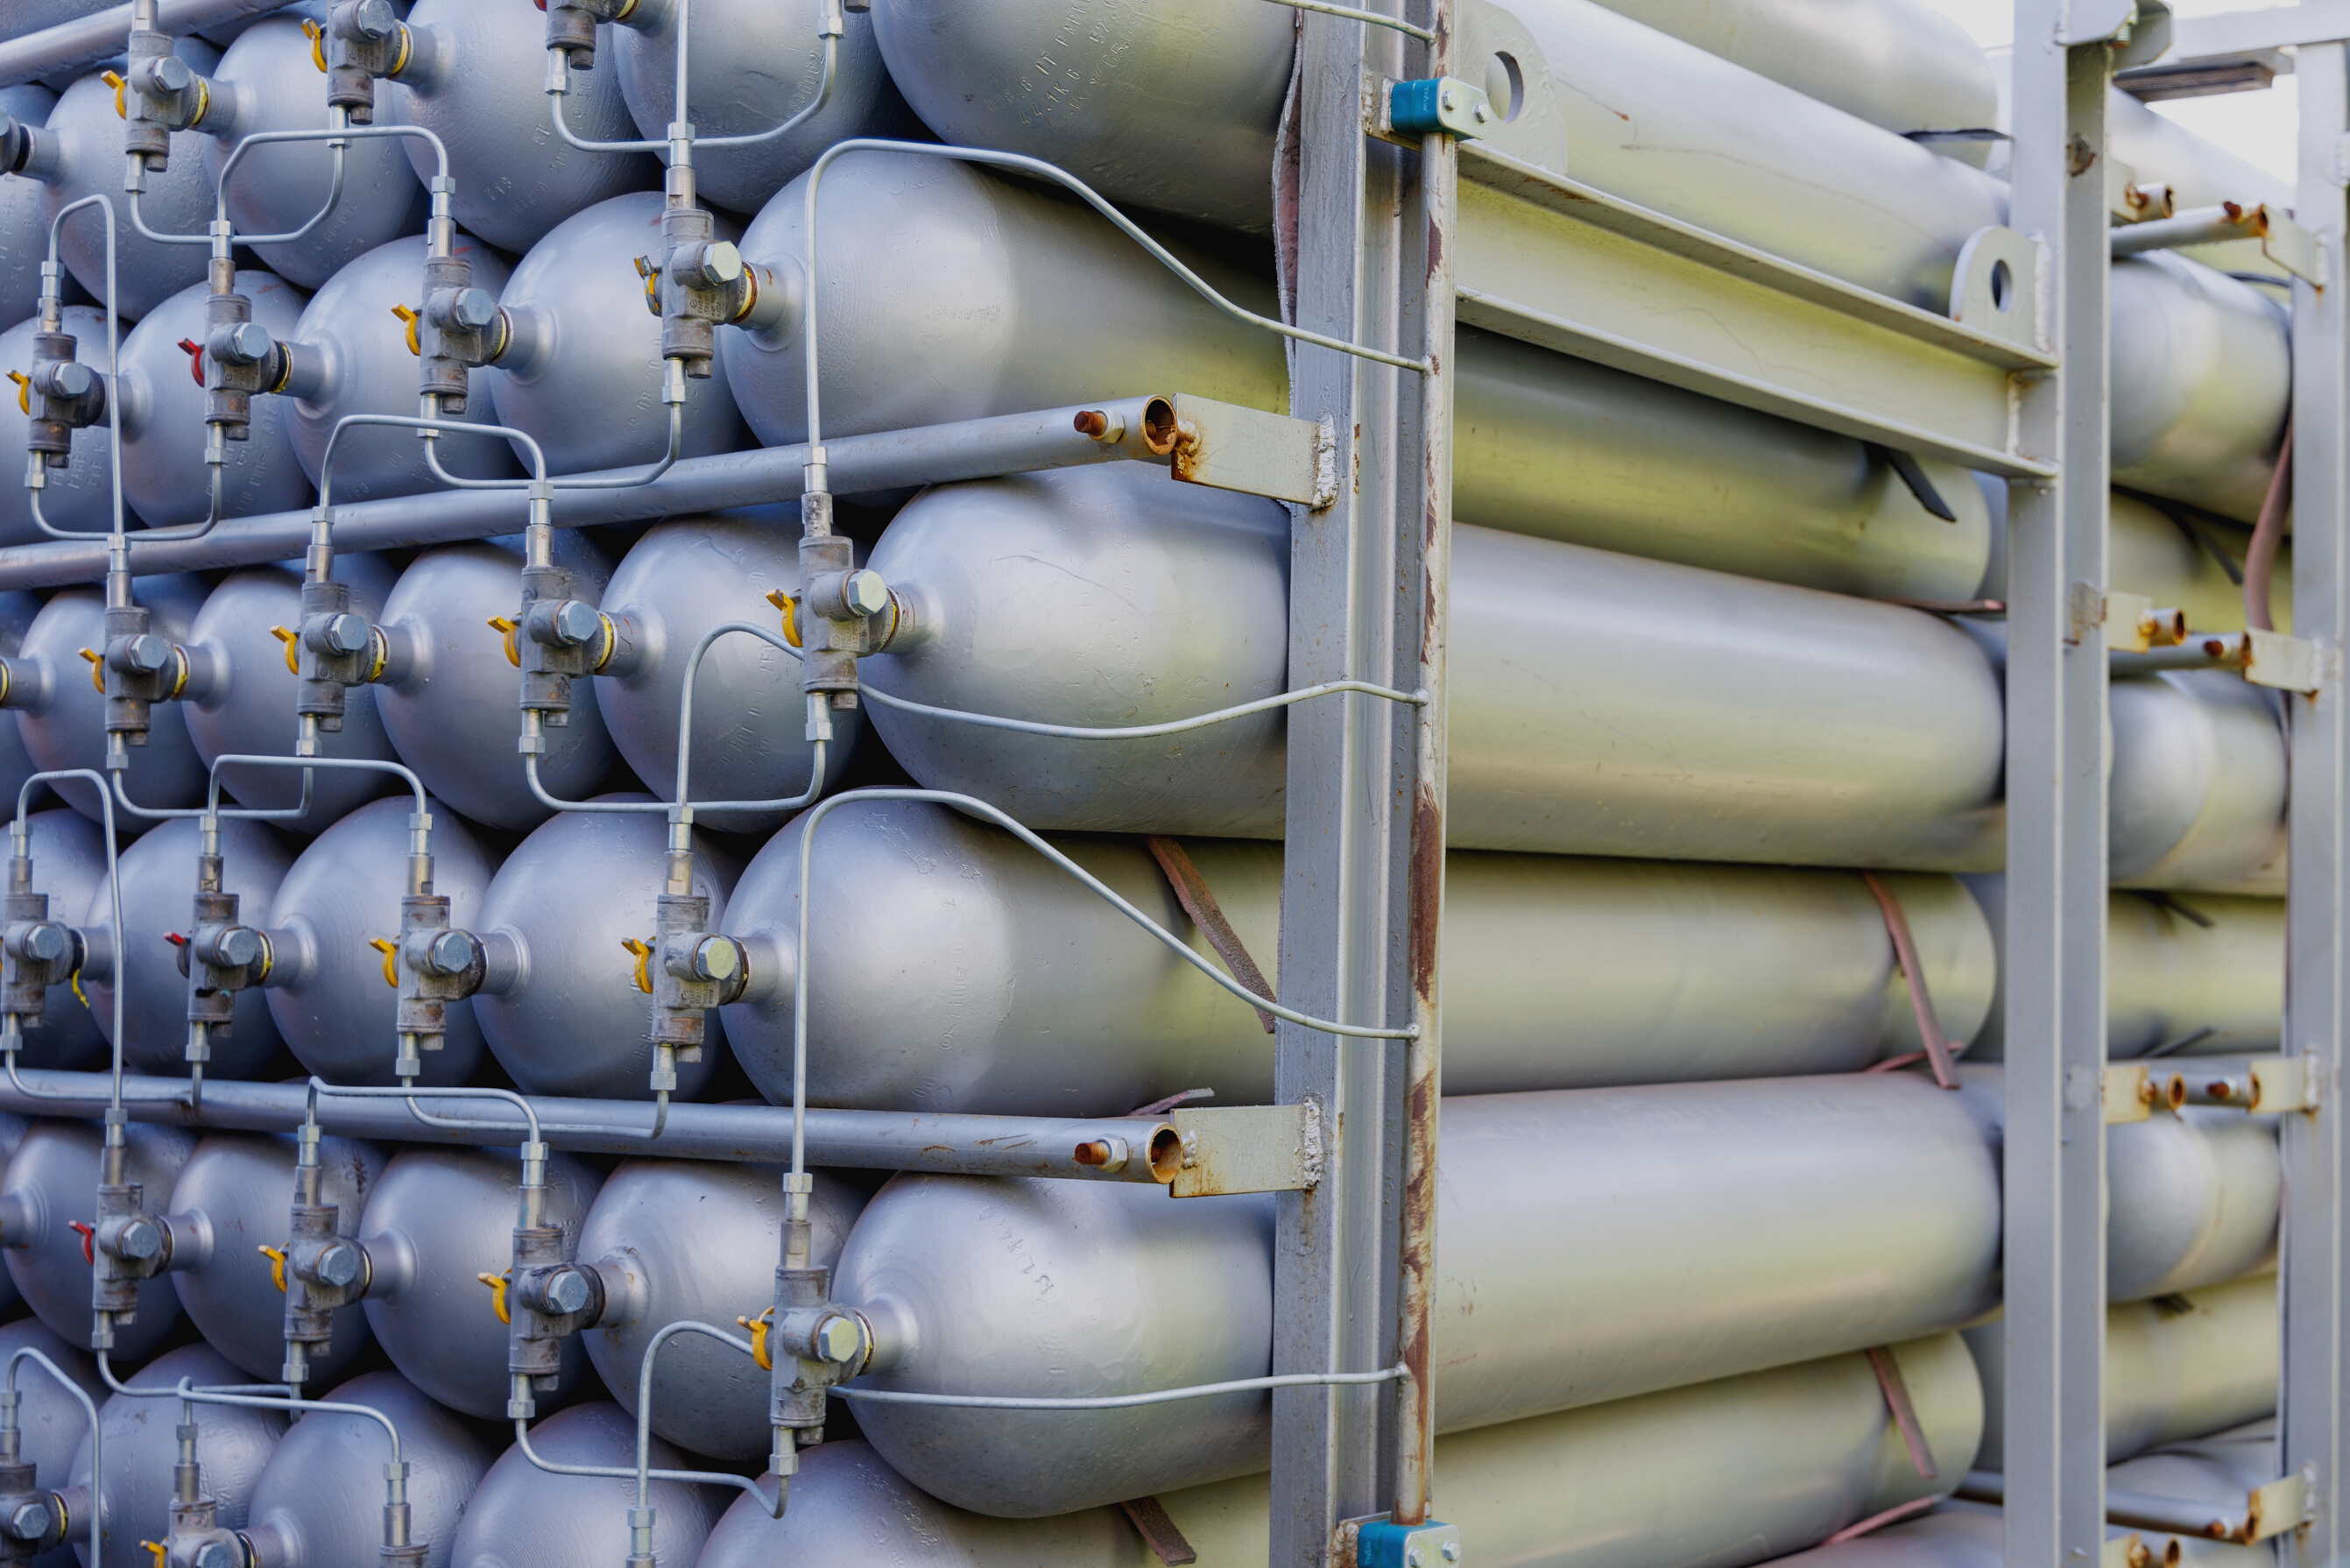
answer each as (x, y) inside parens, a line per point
(866, 1140)
(2200, 226)
(897, 460)
(2134, 1509)
(102, 36)
(2202, 650)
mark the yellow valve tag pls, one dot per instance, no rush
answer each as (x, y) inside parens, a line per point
(73, 980)
(97, 671)
(652, 275)
(643, 951)
(760, 1327)
(318, 36)
(497, 1284)
(785, 603)
(409, 317)
(390, 952)
(24, 391)
(287, 636)
(506, 629)
(115, 81)
(276, 1256)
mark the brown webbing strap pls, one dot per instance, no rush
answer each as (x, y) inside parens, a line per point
(1905, 1415)
(1877, 1522)
(1913, 970)
(1159, 1532)
(1191, 892)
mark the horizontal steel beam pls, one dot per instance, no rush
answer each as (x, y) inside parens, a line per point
(2131, 1509)
(863, 1140)
(2240, 33)
(87, 40)
(900, 460)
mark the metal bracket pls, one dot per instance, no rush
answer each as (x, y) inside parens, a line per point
(1247, 1149)
(2133, 624)
(2141, 28)
(1383, 1543)
(1438, 106)
(2263, 1085)
(2124, 1552)
(1996, 287)
(2129, 1093)
(2286, 663)
(2286, 1503)
(1230, 447)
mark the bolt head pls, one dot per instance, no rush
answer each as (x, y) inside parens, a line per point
(473, 308)
(337, 1263)
(218, 1554)
(374, 18)
(1452, 1551)
(452, 952)
(29, 1520)
(138, 1240)
(73, 378)
(45, 943)
(237, 947)
(866, 592)
(575, 622)
(566, 1290)
(346, 633)
(171, 74)
(147, 653)
(250, 342)
(716, 958)
(837, 1338)
(1414, 1558)
(720, 262)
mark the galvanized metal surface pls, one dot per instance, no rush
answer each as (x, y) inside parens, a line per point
(50, 1419)
(79, 496)
(60, 712)
(88, 162)
(164, 477)
(24, 214)
(70, 866)
(2202, 374)
(92, 36)
(320, 1497)
(522, 1516)
(54, 1173)
(233, 1443)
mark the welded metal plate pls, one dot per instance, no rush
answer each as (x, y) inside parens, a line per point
(1547, 260)
(1230, 447)
(1247, 1149)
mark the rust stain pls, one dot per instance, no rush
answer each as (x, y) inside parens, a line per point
(1427, 880)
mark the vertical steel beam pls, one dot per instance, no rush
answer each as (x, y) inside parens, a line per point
(1353, 612)
(2055, 949)
(2313, 1283)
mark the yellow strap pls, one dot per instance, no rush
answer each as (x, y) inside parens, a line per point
(784, 602)
(318, 36)
(390, 952)
(276, 1256)
(73, 980)
(506, 629)
(115, 81)
(760, 1327)
(24, 392)
(287, 636)
(97, 671)
(497, 1284)
(409, 317)
(652, 275)
(643, 951)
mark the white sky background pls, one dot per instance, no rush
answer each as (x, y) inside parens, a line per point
(2258, 127)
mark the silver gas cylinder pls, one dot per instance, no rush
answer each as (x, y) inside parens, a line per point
(70, 866)
(61, 711)
(453, 706)
(1946, 1538)
(1670, 971)
(50, 1186)
(524, 1517)
(24, 213)
(1899, 64)
(1175, 107)
(12, 1133)
(319, 1503)
(79, 497)
(1168, 602)
(51, 1419)
(564, 1007)
(439, 1219)
(2202, 377)
(17, 609)
(584, 376)
(2175, 561)
(273, 85)
(241, 701)
(238, 1191)
(2179, 1368)
(1788, 1456)
(697, 1239)
(341, 896)
(753, 65)
(674, 585)
(158, 891)
(164, 477)
(233, 1445)
(1671, 1217)
(82, 156)
(2193, 1200)
(2197, 793)
(364, 366)
(477, 76)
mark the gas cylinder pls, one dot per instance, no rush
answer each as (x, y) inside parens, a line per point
(2198, 795)
(451, 706)
(24, 213)
(2189, 563)
(2202, 379)
(683, 578)
(49, 1187)
(697, 1239)
(753, 65)
(1665, 1213)
(164, 477)
(273, 85)
(583, 377)
(61, 711)
(566, 1007)
(340, 896)
(524, 1517)
(319, 1503)
(70, 866)
(241, 701)
(51, 1420)
(360, 363)
(79, 497)
(238, 1191)
(233, 1444)
(17, 609)
(476, 75)
(1669, 972)
(159, 891)
(12, 1133)
(439, 1219)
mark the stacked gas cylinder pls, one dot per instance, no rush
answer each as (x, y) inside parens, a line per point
(1719, 1255)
